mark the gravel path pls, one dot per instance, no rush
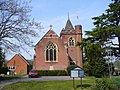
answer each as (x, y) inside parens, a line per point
(43, 78)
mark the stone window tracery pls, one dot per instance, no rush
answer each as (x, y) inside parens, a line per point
(51, 52)
(71, 42)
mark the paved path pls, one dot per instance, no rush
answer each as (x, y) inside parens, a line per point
(43, 78)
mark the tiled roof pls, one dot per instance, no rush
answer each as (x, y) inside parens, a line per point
(69, 25)
(22, 58)
(49, 34)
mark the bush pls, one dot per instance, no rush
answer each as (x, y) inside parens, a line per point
(4, 70)
(52, 72)
(104, 84)
(98, 75)
(100, 85)
(116, 81)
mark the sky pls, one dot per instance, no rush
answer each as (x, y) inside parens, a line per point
(56, 12)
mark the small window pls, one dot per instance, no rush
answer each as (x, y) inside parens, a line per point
(11, 67)
(71, 42)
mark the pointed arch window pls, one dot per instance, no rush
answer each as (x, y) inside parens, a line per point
(71, 42)
(51, 52)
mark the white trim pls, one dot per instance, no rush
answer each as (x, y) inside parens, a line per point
(11, 67)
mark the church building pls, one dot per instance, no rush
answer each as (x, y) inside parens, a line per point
(55, 52)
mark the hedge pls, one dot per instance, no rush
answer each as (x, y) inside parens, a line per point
(52, 72)
(3, 70)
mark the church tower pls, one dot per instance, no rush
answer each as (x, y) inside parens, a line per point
(70, 36)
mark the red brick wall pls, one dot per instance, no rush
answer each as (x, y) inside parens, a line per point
(21, 66)
(74, 52)
(40, 62)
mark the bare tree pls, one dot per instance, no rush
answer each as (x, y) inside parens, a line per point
(16, 27)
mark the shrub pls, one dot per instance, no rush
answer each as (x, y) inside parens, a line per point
(52, 72)
(104, 84)
(116, 81)
(100, 84)
(98, 75)
(4, 70)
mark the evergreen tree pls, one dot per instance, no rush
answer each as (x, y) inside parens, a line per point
(94, 62)
(107, 26)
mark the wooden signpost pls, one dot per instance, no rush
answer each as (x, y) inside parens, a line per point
(77, 73)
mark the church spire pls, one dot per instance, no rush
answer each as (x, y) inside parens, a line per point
(68, 24)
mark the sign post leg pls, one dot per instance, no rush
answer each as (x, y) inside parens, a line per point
(81, 83)
(73, 83)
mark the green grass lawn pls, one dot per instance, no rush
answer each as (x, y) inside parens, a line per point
(61, 85)
(50, 85)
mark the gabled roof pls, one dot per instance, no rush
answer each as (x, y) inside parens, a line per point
(69, 25)
(49, 34)
(19, 55)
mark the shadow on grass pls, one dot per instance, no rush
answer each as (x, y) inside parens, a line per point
(83, 86)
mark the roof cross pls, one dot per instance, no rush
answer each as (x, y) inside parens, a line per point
(51, 27)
